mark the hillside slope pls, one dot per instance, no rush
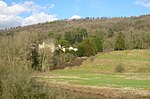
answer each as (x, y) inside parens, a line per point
(133, 61)
(135, 29)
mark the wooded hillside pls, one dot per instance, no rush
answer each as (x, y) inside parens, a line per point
(135, 29)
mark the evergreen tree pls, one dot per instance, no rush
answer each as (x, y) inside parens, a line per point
(86, 48)
(81, 50)
(75, 36)
(70, 37)
(83, 33)
(99, 41)
(63, 42)
(120, 42)
(34, 56)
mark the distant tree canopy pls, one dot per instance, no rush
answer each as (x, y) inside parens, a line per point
(89, 35)
(63, 42)
(120, 42)
(76, 30)
(110, 33)
(90, 46)
(87, 45)
(136, 42)
(98, 39)
(68, 36)
(86, 48)
(75, 36)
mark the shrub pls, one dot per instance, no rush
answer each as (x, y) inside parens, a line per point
(86, 48)
(119, 68)
(92, 58)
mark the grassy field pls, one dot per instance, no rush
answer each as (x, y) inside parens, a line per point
(99, 71)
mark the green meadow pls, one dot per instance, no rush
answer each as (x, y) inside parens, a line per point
(100, 71)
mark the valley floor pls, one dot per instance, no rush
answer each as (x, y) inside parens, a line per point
(108, 85)
(98, 76)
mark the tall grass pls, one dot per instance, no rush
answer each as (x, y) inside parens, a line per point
(19, 84)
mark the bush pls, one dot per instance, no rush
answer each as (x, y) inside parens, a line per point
(119, 68)
(86, 48)
(92, 58)
(62, 59)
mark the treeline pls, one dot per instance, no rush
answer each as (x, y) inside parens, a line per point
(87, 44)
(90, 44)
(89, 36)
(135, 29)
